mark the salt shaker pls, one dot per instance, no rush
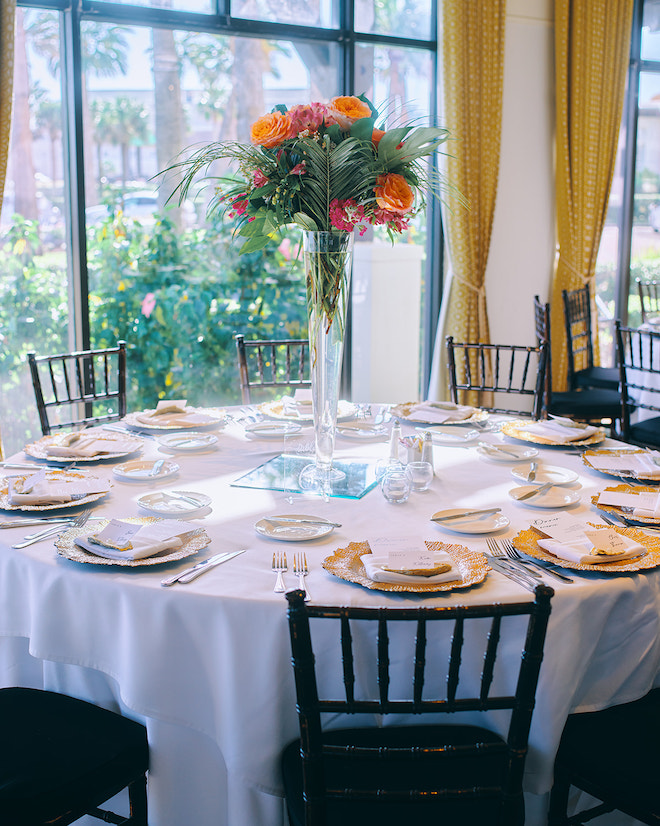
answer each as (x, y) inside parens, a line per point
(427, 449)
(395, 441)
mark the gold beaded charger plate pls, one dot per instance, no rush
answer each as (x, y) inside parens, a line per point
(628, 474)
(526, 542)
(403, 410)
(66, 547)
(517, 430)
(345, 563)
(39, 449)
(54, 475)
(199, 418)
(303, 412)
(617, 510)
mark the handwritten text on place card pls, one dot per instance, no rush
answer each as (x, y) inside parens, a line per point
(607, 540)
(402, 552)
(648, 500)
(561, 526)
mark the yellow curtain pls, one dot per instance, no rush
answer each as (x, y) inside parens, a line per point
(473, 72)
(592, 42)
(7, 13)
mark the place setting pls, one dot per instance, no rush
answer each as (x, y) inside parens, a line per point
(176, 503)
(405, 564)
(131, 542)
(630, 504)
(554, 432)
(50, 489)
(92, 445)
(188, 442)
(505, 453)
(299, 408)
(145, 470)
(627, 463)
(438, 413)
(294, 527)
(175, 415)
(566, 542)
(461, 520)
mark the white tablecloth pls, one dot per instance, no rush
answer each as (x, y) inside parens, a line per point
(207, 665)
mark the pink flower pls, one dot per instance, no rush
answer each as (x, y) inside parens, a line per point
(238, 206)
(307, 118)
(259, 178)
(148, 304)
(299, 169)
(347, 215)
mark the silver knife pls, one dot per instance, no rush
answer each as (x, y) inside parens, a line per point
(517, 576)
(290, 519)
(497, 449)
(465, 513)
(535, 492)
(192, 573)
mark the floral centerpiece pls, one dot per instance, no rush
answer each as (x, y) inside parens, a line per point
(329, 169)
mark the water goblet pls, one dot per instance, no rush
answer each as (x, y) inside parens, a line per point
(420, 475)
(395, 485)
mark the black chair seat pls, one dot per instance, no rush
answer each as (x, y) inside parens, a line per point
(646, 432)
(403, 775)
(603, 377)
(586, 405)
(612, 755)
(61, 757)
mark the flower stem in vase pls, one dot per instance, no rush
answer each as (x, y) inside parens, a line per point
(328, 259)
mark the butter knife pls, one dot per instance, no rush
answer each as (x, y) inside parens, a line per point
(290, 519)
(197, 570)
(535, 492)
(497, 449)
(532, 472)
(464, 514)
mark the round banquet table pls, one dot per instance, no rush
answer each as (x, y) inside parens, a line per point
(206, 666)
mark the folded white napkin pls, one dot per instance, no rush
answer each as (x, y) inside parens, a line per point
(52, 492)
(89, 446)
(173, 419)
(558, 432)
(142, 548)
(373, 565)
(439, 412)
(646, 464)
(582, 552)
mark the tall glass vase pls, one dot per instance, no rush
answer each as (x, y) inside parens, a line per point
(328, 258)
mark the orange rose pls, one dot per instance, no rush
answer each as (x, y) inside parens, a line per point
(270, 130)
(394, 194)
(345, 110)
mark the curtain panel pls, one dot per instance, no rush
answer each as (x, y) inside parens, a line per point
(592, 43)
(473, 73)
(7, 15)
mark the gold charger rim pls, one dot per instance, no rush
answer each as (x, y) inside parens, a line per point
(516, 430)
(38, 450)
(67, 548)
(651, 521)
(401, 411)
(345, 564)
(526, 543)
(6, 505)
(217, 414)
(274, 409)
(618, 473)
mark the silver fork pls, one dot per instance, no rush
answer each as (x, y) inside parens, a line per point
(502, 564)
(300, 570)
(513, 553)
(279, 567)
(78, 522)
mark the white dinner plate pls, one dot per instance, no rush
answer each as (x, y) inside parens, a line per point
(472, 524)
(302, 412)
(185, 442)
(292, 532)
(364, 433)
(506, 453)
(545, 473)
(552, 498)
(174, 502)
(449, 436)
(272, 430)
(142, 471)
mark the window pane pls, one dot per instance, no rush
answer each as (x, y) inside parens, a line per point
(34, 286)
(200, 6)
(403, 18)
(651, 30)
(323, 13)
(165, 279)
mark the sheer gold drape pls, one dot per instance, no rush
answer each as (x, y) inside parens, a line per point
(592, 42)
(473, 72)
(7, 13)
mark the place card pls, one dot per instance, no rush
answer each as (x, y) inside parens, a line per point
(560, 526)
(625, 463)
(119, 534)
(647, 500)
(607, 541)
(402, 552)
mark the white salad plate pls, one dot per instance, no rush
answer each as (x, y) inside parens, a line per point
(272, 430)
(292, 531)
(449, 436)
(555, 497)
(545, 473)
(487, 523)
(364, 433)
(185, 442)
(143, 471)
(174, 502)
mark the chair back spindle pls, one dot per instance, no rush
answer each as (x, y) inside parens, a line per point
(272, 363)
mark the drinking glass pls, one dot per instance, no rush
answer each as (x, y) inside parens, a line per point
(395, 485)
(420, 475)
